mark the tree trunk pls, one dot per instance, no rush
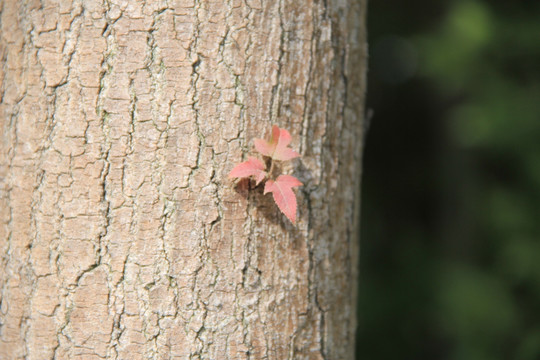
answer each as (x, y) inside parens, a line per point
(121, 235)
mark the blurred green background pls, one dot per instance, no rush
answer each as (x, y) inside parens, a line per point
(450, 247)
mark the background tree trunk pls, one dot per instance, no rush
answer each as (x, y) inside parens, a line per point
(121, 236)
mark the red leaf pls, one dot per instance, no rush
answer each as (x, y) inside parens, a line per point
(284, 197)
(276, 148)
(251, 167)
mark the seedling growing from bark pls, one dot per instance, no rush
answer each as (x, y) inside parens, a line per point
(281, 188)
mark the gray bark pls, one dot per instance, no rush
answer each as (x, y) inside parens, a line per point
(121, 236)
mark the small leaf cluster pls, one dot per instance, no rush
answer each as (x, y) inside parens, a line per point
(277, 148)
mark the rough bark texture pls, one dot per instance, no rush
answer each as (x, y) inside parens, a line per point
(121, 236)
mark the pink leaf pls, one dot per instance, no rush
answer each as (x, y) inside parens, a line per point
(267, 148)
(276, 148)
(284, 197)
(251, 167)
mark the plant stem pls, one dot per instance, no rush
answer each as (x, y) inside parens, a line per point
(270, 172)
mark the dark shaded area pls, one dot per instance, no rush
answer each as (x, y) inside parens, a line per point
(450, 258)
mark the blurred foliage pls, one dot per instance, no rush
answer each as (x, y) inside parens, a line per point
(450, 259)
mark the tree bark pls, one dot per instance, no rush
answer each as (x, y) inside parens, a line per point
(121, 235)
